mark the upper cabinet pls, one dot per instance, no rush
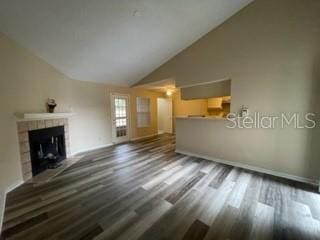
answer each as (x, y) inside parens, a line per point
(226, 99)
(217, 103)
(214, 103)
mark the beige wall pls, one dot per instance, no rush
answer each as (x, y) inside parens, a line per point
(271, 51)
(27, 81)
(279, 150)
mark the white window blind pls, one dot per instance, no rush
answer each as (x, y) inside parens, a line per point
(143, 112)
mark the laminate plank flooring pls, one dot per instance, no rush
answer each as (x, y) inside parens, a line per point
(143, 190)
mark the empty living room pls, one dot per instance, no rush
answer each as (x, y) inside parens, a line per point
(160, 120)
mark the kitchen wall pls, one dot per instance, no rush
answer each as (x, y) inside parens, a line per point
(270, 50)
(188, 107)
(26, 82)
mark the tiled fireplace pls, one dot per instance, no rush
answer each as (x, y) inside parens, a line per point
(24, 127)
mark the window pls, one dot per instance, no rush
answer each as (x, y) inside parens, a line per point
(143, 112)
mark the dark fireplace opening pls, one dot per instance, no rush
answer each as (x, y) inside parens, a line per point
(47, 148)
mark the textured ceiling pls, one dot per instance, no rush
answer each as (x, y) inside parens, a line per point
(111, 41)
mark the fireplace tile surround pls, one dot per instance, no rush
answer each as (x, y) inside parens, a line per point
(24, 127)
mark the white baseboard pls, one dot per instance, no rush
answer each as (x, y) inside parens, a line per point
(91, 149)
(252, 168)
(6, 191)
(144, 137)
(14, 186)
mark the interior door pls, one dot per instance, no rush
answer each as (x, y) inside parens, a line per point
(164, 115)
(120, 118)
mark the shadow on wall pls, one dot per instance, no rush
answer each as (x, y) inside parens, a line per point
(314, 141)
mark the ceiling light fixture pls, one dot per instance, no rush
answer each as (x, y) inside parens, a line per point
(169, 92)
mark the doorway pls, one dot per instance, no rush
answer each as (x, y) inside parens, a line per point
(120, 115)
(164, 106)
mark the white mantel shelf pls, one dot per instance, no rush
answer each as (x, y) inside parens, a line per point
(40, 116)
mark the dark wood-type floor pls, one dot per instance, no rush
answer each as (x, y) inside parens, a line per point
(145, 191)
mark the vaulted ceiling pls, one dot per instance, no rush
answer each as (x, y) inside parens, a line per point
(111, 41)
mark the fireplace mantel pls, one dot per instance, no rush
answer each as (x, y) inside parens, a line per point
(40, 116)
